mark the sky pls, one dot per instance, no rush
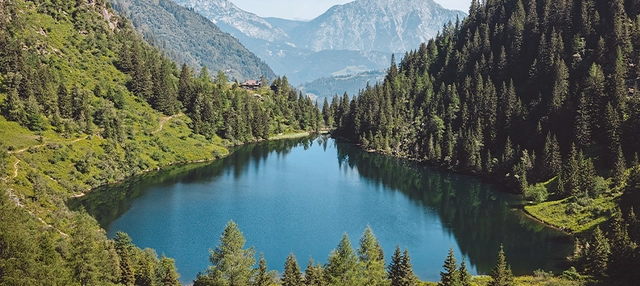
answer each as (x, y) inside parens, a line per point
(309, 9)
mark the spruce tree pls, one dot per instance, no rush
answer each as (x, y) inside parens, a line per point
(166, 272)
(597, 254)
(292, 275)
(501, 274)
(262, 279)
(464, 275)
(620, 261)
(314, 274)
(342, 264)
(450, 276)
(408, 278)
(394, 270)
(371, 259)
(124, 248)
(231, 263)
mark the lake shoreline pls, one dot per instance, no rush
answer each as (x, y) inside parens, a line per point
(294, 135)
(503, 187)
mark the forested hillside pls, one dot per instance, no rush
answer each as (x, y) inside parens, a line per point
(85, 102)
(538, 94)
(186, 37)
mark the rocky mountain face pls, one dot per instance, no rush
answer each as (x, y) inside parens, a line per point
(228, 17)
(392, 26)
(347, 39)
(187, 37)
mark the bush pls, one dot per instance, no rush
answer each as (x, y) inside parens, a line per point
(599, 187)
(541, 274)
(537, 193)
(571, 274)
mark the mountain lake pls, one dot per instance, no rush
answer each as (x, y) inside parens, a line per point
(302, 195)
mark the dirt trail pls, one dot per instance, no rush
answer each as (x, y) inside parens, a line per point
(165, 119)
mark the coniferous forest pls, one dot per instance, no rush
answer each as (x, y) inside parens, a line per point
(85, 102)
(540, 95)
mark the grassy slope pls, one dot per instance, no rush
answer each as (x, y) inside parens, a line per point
(575, 216)
(41, 168)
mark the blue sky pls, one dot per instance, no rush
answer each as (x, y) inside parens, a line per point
(309, 9)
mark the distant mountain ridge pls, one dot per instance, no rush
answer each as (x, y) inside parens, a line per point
(393, 26)
(360, 35)
(226, 14)
(187, 37)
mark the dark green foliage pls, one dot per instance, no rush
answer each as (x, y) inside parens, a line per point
(262, 279)
(464, 277)
(231, 263)
(508, 92)
(314, 274)
(596, 254)
(186, 37)
(371, 259)
(501, 274)
(400, 270)
(292, 275)
(620, 259)
(341, 268)
(167, 273)
(451, 275)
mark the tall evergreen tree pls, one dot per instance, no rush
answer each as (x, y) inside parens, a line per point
(231, 263)
(314, 274)
(262, 279)
(596, 256)
(371, 259)
(501, 274)
(450, 276)
(464, 277)
(292, 275)
(408, 278)
(341, 267)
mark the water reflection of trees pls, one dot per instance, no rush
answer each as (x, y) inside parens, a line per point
(108, 203)
(472, 211)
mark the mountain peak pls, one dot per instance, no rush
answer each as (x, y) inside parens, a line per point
(225, 13)
(375, 25)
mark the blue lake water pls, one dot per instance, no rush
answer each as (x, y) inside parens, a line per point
(301, 195)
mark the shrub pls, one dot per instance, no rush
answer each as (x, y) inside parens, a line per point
(537, 193)
(571, 274)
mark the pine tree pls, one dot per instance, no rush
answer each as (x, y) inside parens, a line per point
(501, 275)
(582, 125)
(394, 271)
(597, 254)
(314, 274)
(619, 168)
(292, 275)
(231, 263)
(371, 259)
(450, 276)
(408, 278)
(464, 277)
(124, 248)
(620, 259)
(633, 226)
(167, 273)
(262, 279)
(341, 267)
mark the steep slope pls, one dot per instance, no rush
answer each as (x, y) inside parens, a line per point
(187, 37)
(375, 25)
(288, 46)
(229, 17)
(85, 102)
(536, 94)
